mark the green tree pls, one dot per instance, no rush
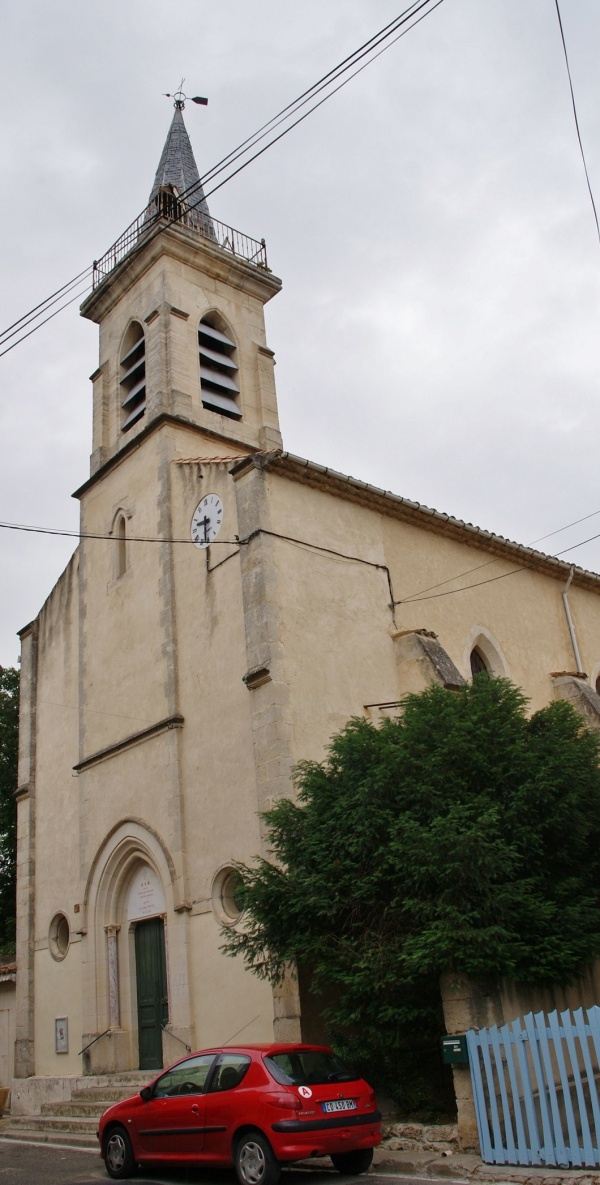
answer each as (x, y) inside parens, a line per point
(461, 835)
(9, 730)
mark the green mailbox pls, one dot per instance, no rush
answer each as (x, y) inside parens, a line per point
(454, 1050)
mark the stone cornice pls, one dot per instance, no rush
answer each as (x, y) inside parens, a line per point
(134, 738)
(185, 246)
(136, 441)
(424, 517)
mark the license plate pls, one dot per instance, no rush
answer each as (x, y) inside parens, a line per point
(339, 1105)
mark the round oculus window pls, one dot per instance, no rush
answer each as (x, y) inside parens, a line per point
(227, 896)
(59, 936)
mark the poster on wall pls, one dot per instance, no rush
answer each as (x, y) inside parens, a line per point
(61, 1034)
(146, 897)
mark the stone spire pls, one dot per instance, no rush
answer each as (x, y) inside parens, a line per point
(177, 173)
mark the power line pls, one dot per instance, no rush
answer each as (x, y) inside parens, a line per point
(382, 38)
(42, 306)
(319, 104)
(300, 100)
(99, 535)
(591, 539)
(338, 71)
(237, 542)
(60, 308)
(419, 594)
(558, 530)
(576, 119)
(450, 592)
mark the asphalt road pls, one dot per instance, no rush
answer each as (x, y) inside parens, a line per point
(40, 1164)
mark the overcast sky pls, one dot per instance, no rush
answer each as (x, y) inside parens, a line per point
(438, 330)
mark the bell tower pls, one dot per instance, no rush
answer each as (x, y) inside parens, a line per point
(179, 300)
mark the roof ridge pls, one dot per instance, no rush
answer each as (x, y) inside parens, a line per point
(487, 540)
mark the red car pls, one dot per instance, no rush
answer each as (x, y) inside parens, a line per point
(252, 1106)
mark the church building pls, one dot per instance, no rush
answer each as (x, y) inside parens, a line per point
(228, 608)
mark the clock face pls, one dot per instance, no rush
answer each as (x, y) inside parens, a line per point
(206, 520)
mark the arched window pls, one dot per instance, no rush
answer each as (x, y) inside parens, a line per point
(133, 375)
(598, 685)
(121, 537)
(483, 654)
(478, 663)
(218, 369)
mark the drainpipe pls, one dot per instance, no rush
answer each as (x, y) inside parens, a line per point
(565, 598)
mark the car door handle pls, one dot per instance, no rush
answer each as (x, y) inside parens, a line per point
(195, 1110)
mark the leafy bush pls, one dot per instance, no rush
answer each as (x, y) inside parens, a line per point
(460, 835)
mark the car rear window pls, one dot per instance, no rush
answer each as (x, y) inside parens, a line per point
(308, 1068)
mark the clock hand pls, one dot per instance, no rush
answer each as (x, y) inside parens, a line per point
(205, 523)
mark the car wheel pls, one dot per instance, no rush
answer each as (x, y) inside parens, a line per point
(118, 1154)
(254, 1161)
(353, 1163)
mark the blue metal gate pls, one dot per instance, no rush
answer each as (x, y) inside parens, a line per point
(535, 1083)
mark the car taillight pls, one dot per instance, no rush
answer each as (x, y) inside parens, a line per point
(372, 1103)
(284, 1102)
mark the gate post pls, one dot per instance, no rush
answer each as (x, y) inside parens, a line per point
(467, 1005)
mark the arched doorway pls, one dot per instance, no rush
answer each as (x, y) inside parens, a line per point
(145, 913)
(151, 985)
(133, 885)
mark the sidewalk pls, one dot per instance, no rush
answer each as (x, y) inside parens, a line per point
(468, 1166)
(451, 1166)
(461, 1167)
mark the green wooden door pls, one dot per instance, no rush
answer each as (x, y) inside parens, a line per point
(151, 978)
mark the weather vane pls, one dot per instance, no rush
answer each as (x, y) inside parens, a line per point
(180, 99)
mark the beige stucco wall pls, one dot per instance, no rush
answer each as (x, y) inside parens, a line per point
(165, 637)
(125, 670)
(227, 1001)
(58, 995)
(57, 815)
(337, 622)
(7, 1029)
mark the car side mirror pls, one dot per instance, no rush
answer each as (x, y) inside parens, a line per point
(146, 1093)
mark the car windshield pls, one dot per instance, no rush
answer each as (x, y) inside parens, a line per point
(308, 1068)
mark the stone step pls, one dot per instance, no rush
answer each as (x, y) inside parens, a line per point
(74, 1122)
(127, 1078)
(76, 1108)
(50, 1136)
(108, 1094)
(44, 1123)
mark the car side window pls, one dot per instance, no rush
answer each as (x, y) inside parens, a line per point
(187, 1077)
(229, 1071)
